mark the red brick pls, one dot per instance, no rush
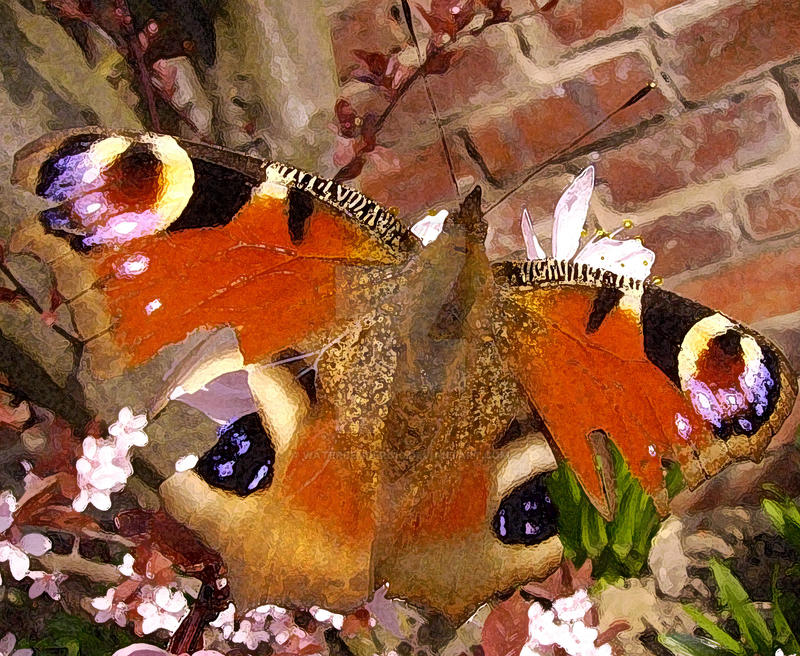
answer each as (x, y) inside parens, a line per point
(572, 21)
(686, 241)
(364, 25)
(485, 69)
(697, 147)
(740, 40)
(752, 287)
(515, 138)
(775, 209)
(416, 180)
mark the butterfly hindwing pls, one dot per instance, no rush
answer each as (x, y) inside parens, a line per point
(399, 459)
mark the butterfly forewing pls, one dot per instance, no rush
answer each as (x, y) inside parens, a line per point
(168, 239)
(664, 378)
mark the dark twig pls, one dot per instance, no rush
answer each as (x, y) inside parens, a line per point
(410, 80)
(632, 100)
(131, 41)
(434, 53)
(28, 298)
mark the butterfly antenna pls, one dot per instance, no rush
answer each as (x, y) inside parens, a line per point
(636, 97)
(431, 101)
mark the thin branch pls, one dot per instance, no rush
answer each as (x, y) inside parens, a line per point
(436, 117)
(26, 296)
(411, 79)
(632, 100)
(75, 564)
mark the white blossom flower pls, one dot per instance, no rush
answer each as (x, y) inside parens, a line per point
(162, 609)
(224, 621)
(105, 465)
(574, 608)
(143, 649)
(46, 582)
(327, 617)
(624, 257)
(18, 561)
(7, 644)
(8, 505)
(128, 429)
(185, 463)
(126, 569)
(429, 227)
(108, 610)
(253, 628)
(101, 470)
(251, 633)
(563, 626)
(16, 550)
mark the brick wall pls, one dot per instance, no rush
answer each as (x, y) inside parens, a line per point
(707, 166)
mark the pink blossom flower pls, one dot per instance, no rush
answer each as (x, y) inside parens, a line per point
(8, 505)
(430, 227)
(224, 621)
(107, 609)
(624, 257)
(46, 582)
(31, 479)
(16, 554)
(128, 429)
(162, 609)
(16, 550)
(7, 644)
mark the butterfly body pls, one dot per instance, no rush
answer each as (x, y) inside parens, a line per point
(396, 385)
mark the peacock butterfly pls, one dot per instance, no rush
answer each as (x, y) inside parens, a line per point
(379, 390)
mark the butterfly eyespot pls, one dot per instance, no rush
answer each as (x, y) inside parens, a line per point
(732, 382)
(527, 514)
(243, 459)
(114, 189)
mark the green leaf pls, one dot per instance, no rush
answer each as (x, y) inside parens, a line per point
(71, 635)
(781, 603)
(689, 645)
(717, 634)
(593, 530)
(618, 548)
(674, 480)
(785, 517)
(733, 596)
